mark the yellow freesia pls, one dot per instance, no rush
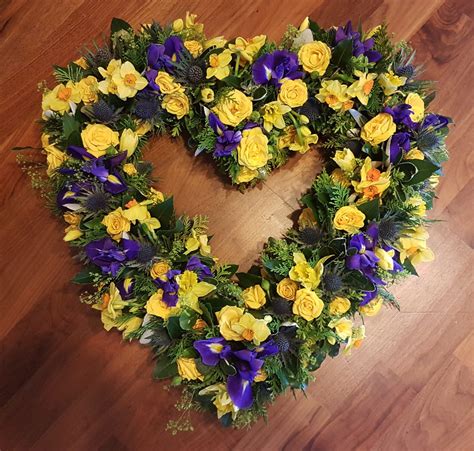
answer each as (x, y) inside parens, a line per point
(297, 139)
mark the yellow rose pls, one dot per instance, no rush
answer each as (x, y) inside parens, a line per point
(207, 95)
(349, 219)
(287, 289)
(97, 138)
(414, 154)
(417, 106)
(315, 57)
(227, 317)
(116, 223)
(345, 159)
(128, 141)
(187, 369)
(343, 327)
(176, 103)
(253, 149)
(307, 304)
(157, 307)
(194, 47)
(254, 297)
(246, 175)
(378, 129)
(373, 307)
(159, 270)
(167, 83)
(89, 87)
(339, 306)
(293, 93)
(234, 108)
(72, 218)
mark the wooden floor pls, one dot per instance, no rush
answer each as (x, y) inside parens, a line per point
(65, 384)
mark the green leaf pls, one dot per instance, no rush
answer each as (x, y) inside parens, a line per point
(408, 265)
(342, 53)
(174, 328)
(357, 281)
(314, 27)
(308, 201)
(227, 368)
(85, 277)
(370, 209)
(165, 368)
(247, 280)
(417, 171)
(187, 320)
(70, 125)
(233, 81)
(119, 24)
(164, 212)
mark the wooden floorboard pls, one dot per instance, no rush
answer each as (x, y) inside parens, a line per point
(65, 384)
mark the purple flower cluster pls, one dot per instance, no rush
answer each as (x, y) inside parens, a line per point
(227, 139)
(273, 67)
(246, 362)
(359, 47)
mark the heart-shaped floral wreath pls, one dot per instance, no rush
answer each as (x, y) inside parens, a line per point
(237, 343)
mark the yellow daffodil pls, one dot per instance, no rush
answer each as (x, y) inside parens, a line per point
(247, 49)
(355, 340)
(335, 94)
(130, 325)
(362, 87)
(221, 400)
(195, 242)
(219, 65)
(218, 42)
(62, 98)
(417, 105)
(190, 289)
(252, 329)
(342, 327)
(372, 182)
(385, 258)
(412, 245)
(54, 156)
(304, 273)
(272, 114)
(107, 85)
(111, 307)
(128, 81)
(345, 159)
(189, 23)
(297, 139)
(390, 82)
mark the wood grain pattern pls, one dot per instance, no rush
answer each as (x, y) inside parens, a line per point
(65, 384)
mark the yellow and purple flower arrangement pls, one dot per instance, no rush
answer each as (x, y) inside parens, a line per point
(235, 341)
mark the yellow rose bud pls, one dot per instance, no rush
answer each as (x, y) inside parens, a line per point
(116, 223)
(349, 219)
(261, 376)
(345, 159)
(414, 154)
(307, 304)
(339, 306)
(97, 138)
(373, 307)
(417, 106)
(228, 317)
(72, 218)
(187, 369)
(159, 270)
(342, 327)
(378, 129)
(304, 25)
(130, 169)
(246, 175)
(194, 47)
(128, 141)
(254, 297)
(178, 25)
(176, 104)
(89, 88)
(315, 57)
(207, 95)
(293, 93)
(234, 108)
(287, 289)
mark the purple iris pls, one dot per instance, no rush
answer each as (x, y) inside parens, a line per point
(109, 256)
(79, 153)
(239, 386)
(160, 56)
(104, 169)
(170, 287)
(227, 140)
(401, 114)
(267, 349)
(273, 67)
(399, 142)
(212, 350)
(195, 264)
(363, 257)
(125, 287)
(434, 121)
(67, 196)
(368, 296)
(358, 47)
